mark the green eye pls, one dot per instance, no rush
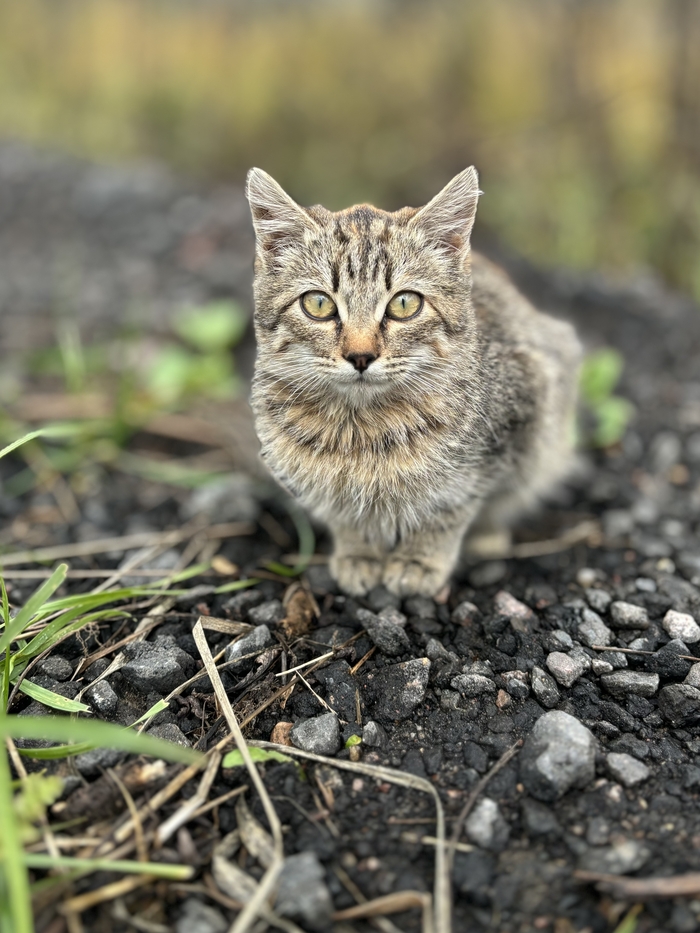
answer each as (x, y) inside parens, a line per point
(319, 306)
(404, 306)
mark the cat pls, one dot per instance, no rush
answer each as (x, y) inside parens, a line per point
(404, 391)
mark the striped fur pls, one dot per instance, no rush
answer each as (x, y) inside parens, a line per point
(461, 422)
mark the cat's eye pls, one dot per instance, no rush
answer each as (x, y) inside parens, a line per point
(403, 306)
(319, 306)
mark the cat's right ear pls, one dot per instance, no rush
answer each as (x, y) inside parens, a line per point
(278, 220)
(448, 219)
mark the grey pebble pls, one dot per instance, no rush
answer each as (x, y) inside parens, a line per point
(593, 631)
(627, 615)
(626, 769)
(565, 669)
(57, 667)
(599, 600)
(681, 625)
(485, 825)
(516, 683)
(320, 735)
(645, 585)
(680, 704)
(270, 613)
(473, 685)
(520, 616)
(559, 640)
(197, 917)
(257, 640)
(94, 762)
(153, 668)
(558, 754)
(302, 893)
(375, 735)
(386, 634)
(544, 687)
(488, 573)
(622, 683)
(628, 855)
(398, 688)
(599, 666)
(693, 676)
(420, 606)
(102, 697)
(466, 613)
(170, 732)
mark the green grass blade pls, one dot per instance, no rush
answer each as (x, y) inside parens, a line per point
(7, 666)
(55, 430)
(56, 751)
(236, 585)
(51, 699)
(99, 734)
(14, 870)
(124, 866)
(35, 602)
(59, 629)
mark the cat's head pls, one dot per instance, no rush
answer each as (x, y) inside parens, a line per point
(361, 301)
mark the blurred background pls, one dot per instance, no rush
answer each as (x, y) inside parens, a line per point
(127, 127)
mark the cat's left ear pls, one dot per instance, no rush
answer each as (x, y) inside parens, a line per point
(278, 220)
(448, 219)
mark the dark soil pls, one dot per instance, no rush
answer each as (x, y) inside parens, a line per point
(614, 817)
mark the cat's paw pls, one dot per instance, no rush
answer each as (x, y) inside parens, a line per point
(413, 578)
(356, 576)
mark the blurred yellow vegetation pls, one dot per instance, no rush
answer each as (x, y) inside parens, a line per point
(583, 116)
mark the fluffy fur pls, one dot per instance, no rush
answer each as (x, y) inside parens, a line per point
(461, 421)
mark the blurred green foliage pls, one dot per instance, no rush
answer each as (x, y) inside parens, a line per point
(600, 374)
(582, 116)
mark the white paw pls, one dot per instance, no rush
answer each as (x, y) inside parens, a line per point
(356, 575)
(413, 578)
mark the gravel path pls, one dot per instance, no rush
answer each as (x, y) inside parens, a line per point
(607, 779)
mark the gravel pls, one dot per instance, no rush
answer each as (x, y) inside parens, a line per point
(636, 683)
(544, 687)
(626, 769)
(627, 615)
(680, 704)
(682, 626)
(386, 634)
(473, 685)
(520, 616)
(256, 641)
(302, 893)
(485, 826)
(565, 668)
(270, 613)
(398, 688)
(592, 630)
(559, 754)
(102, 697)
(196, 917)
(320, 735)
(154, 668)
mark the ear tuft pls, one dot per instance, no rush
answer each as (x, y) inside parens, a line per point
(448, 219)
(277, 219)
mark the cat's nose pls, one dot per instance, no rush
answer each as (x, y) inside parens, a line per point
(360, 360)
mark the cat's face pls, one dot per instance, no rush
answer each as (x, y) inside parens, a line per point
(360, 302)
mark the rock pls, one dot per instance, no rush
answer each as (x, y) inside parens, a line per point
(538, 819)
(57, 667)
(681, 625)
(473, 685)
(488, 573)
(598, 600)
(320, 735)
(693, 676)
(558, 754)
(586, 577)
(680, 704)
(645, 585)
(340, 688)
(420, 606)
(565, 669)
(626, 769)
(593, 631)
(270, 613)
(375, 735)
(252, 643)
(558, 640)
(380, 598)
(280, 733)
(627, 615)
(392, 614)
(516, 684)
(171, 733)
(598, 666)
(520, 616)
(389, 637)
(485, 826)
(231, 499)
(102, 697)
(627, 856)
(302, 893)
(97, 760)
(240, 604)
(668, 661)
(398, 688)
(475, 757)
(622, 683)
(153, 668)
(616, 658)
(465, 614)
(544, 687)
(196, 917)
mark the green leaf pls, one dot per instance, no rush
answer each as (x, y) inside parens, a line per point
(98, 734)
(234, 759)
(600, 373)
(353, 740)
(32, 606)
(153, 711)
(54, 700)
(54, 430)
(212, 327)
(613, 416)
(158, 869)
(14, 880)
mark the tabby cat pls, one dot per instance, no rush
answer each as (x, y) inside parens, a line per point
(405, 392)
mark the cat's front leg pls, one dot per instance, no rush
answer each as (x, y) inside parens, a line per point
(422, 563)
(355, 564)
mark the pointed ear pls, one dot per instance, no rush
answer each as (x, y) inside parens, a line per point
(277, 219)
(449, 217)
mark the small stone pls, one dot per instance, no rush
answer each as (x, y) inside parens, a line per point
(102, 697)
(488, 573)
(669, 661)
(389, 637)
(599, 600)
(465, 614)
(680, 704)
(693, 676)
(280, 733)
(558, 754)
(681, 625)
(392, 614)
(627, 615)
(627, 856)
(617, 658)
(538, 819)
(645, 585)
(559, 640)
(270, 613)
(57, 667)
(170, 733)
(521, 617)
(586, 577)
(503, 700)
(420, 606)
(516, 684)
(593, 631)
(320, 735)
(622, 683)
(252, 643)
(374, 735)
(380, 598)
(473, 685)
(436, 651)
(240, 604)
(544, 687)
(565, 669)
(97, 760)
(153, 668)
(302, 892)
(626, 769)
(598, 831)
(196, 917)
(398, 688)
(485, 826)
